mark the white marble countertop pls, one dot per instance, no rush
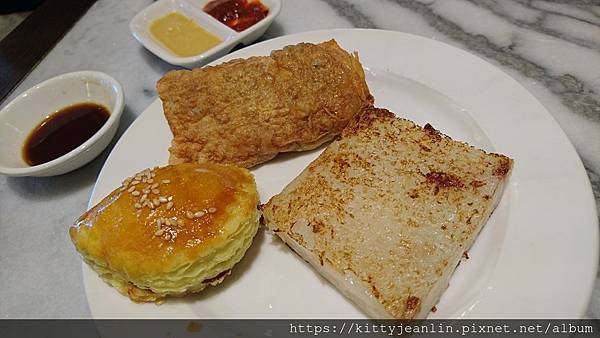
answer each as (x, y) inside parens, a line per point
(551, 47)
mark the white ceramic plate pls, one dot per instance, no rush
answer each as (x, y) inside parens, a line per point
(535, 258)
(139, 27)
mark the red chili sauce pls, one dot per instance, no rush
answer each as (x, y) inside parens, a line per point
(237, 14)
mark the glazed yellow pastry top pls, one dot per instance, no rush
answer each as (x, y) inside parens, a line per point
(165, 219)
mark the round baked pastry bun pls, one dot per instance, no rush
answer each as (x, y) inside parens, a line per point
(170, 231)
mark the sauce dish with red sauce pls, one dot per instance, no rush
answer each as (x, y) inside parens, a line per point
(231, 21)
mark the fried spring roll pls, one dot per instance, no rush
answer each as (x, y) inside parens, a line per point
(246, 111)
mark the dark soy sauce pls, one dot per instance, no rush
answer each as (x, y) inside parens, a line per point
(63, 131)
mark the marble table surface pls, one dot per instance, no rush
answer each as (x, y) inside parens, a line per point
(550, 47)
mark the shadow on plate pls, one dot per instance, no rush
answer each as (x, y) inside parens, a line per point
(238, 270)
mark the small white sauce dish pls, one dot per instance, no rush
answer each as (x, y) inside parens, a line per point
(24, 113)
(140, 28)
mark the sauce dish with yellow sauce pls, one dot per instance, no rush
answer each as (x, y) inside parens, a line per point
(181, 33)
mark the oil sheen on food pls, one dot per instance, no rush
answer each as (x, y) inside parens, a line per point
(182, 36)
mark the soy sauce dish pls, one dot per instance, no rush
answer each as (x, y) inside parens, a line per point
(191, 33)
(60, 124)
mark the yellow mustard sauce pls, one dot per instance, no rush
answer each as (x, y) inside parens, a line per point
(182, 35)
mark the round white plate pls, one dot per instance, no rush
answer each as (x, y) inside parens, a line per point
(535, 258)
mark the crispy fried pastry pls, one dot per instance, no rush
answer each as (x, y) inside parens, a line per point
(386, 212)
(170, 231)
(245, 111)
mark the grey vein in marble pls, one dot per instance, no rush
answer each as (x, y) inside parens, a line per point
(538, 24)
(573, 92)
(577, 13)
(595, 180)
(348, 10)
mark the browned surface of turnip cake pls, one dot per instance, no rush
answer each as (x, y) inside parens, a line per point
(387, 210)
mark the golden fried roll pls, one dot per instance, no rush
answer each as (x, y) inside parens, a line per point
(170, 231)
(246, 111)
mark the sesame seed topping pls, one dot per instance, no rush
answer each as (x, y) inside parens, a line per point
(131, 189)
(123, 188)
(162, 199)
(180, 222)
(169, 205)
(154, 186)
(159, 223)
(212, 210)
(155, 191)
(150, 180)
(137, 206)
(159, 232)
(166, 181)
(189, 214)
(146, 191)
(135, 193)
(144, 197)
(156, 201)
(198, 214)
(167, 236)
(170, 198)
(168, 222)
(135, 182)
